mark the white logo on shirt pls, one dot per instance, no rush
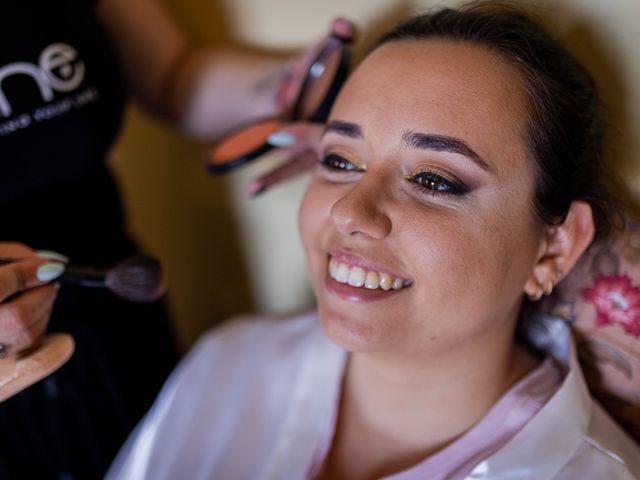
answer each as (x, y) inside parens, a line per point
(57, 70)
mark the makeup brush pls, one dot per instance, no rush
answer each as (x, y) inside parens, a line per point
(138, 279)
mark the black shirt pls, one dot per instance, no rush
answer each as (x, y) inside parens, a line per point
(61, 106)
(61, 95)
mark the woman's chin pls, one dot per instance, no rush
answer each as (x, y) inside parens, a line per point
(354, 333)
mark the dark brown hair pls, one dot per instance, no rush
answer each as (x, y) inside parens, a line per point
(564, 123)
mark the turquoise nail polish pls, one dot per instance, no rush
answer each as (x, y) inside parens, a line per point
(51, 255)
(49, 271)
(281, 139)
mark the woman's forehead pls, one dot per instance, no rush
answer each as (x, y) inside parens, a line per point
(437, 86)
(453, 76)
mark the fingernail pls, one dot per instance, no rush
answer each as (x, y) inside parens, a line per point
(51, 255)
(281, 139)
(256, 187)
(49, 271)
(257, 191)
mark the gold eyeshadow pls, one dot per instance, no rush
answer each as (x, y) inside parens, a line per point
(346, 156)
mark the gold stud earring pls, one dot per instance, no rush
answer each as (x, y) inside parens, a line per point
(537, 295)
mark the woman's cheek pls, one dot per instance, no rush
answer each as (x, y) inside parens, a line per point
(312, 215)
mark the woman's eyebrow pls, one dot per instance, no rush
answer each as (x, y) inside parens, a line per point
(346, 129)
(443, 143)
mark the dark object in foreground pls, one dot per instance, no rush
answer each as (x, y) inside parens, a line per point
(138, 279)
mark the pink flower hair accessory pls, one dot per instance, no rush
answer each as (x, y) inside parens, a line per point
(617, 301)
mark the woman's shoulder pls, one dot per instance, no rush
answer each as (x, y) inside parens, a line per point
(243, 328)
(605, 452)
(246, 347)
(248, 336)
(230, 394)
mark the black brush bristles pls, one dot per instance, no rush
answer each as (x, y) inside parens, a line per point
(139, 279)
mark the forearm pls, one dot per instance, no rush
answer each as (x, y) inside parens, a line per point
(203, 91)
(146, 42)
(213, 90)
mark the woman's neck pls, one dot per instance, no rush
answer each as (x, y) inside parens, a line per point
(396, 411)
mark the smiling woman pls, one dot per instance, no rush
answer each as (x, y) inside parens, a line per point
(421, 202)
(460, 178)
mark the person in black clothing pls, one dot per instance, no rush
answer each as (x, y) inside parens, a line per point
(66, 72)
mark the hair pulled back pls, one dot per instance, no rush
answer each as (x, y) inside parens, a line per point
(564, 126)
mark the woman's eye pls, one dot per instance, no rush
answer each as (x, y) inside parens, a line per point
(437, 184)
(333, 161)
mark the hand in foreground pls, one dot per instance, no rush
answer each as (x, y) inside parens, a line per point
(297, 68)
(297, 142)
(26, 296)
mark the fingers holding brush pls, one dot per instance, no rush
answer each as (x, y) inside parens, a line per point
(19, 275)
(26, 297)
(139, 278)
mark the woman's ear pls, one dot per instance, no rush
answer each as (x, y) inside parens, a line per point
(562, 247)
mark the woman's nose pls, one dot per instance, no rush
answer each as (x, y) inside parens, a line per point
(361, 211)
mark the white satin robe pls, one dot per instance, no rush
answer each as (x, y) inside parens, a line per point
(253, 399)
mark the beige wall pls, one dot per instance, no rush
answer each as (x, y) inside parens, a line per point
(225, 253)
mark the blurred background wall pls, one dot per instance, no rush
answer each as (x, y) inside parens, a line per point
(225, 253)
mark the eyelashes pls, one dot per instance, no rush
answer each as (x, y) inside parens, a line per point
(334, 161)
(426, 181)
(437, 184)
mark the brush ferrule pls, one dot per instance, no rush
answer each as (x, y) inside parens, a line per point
(87, 277)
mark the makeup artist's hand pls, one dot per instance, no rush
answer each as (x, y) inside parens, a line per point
(297, 68)
(26, 295)
(297, 142)
(298, 147)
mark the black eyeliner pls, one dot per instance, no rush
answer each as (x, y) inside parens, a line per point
(455, 187)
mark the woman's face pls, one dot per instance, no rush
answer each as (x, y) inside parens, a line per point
(422, 202)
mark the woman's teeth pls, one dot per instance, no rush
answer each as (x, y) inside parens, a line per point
(358, 277)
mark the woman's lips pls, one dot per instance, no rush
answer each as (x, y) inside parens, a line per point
(357, 294)
(355, 279)
(357, 276)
